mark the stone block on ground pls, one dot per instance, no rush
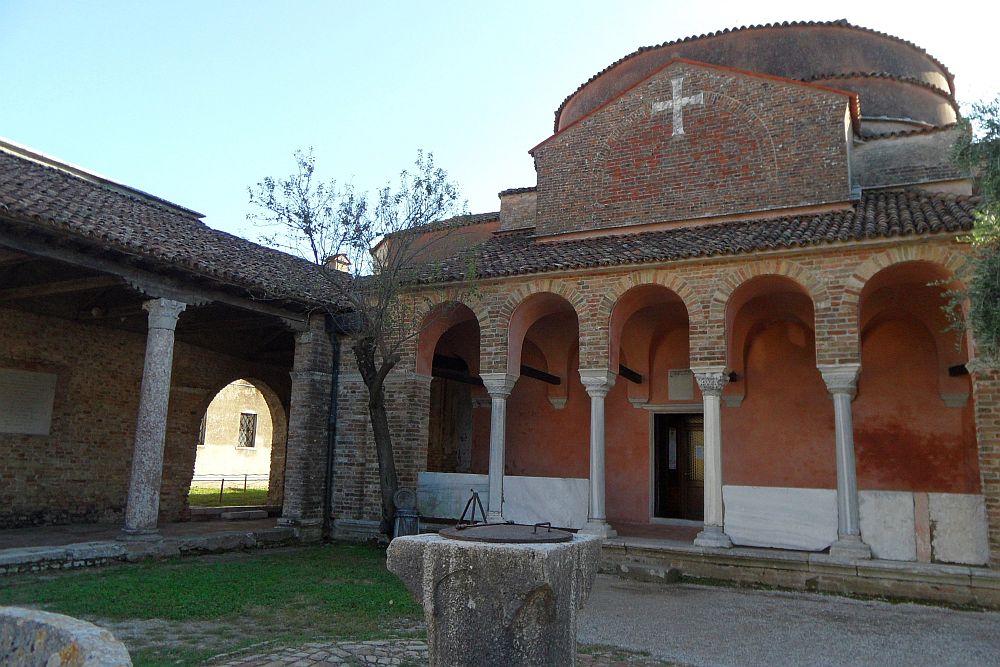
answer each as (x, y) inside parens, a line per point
(497, 604)
(781, 517)
(887, 524)
(30, 638)
(958, 528)
(243, 515)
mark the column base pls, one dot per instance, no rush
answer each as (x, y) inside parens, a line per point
(139, 535)
(713, 536)
(599, 527)
(850, 547)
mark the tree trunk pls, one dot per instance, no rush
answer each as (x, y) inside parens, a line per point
(364, 352)
(386, 460)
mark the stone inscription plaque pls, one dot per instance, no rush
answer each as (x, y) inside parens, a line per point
(26, 400)
(680, 384)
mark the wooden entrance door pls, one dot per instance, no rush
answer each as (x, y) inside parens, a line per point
(679, 466)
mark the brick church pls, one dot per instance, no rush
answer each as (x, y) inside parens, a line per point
(718, 311)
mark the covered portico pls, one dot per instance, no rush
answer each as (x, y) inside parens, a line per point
(751, 404)
(117, 332)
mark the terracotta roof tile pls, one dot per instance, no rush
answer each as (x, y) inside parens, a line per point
(55, 201)
(879, 214)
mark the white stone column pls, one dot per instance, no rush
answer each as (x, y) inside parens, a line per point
(711, 381)
(598, 383)
(842, 383)
(143, 504)
(499, 386)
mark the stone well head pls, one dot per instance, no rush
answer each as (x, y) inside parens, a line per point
(498, 603)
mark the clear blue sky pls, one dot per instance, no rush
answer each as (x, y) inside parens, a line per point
(195, 100)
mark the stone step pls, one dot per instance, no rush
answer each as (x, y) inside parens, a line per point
(243, 515)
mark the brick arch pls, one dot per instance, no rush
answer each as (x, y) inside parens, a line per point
(807, 279)
(671, 281)
(948, 259)
(605, 308)
(494, 329)
(425, 303)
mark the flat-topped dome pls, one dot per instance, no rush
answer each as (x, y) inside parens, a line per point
(898, 83)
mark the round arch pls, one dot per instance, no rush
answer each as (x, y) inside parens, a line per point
(438, 320)
(278, 417)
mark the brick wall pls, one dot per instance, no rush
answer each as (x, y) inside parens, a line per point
(754, 143)
(79, 472)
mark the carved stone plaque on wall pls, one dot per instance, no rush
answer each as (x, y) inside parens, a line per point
(680, 384)
(26, 400)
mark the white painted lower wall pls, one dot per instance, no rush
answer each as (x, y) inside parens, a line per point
(561, 501)
(891, 522)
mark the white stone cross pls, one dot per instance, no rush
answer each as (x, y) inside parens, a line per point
(678, 103)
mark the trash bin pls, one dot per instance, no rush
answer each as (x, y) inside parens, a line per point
(407, 517)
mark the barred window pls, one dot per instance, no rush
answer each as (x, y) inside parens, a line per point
(248, 429)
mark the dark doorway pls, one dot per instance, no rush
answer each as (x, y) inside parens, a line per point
(679, 466)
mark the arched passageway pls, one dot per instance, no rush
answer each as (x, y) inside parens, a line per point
(241, 447)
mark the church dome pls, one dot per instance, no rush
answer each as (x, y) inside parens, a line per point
(900, 85)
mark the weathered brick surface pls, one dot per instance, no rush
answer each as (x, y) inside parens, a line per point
(79, 473)
(753, 144)
(986, 394)
(308, 424)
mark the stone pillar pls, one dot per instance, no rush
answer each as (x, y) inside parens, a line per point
(711, 381)
(499, 386)
(598, 383)
(842, 383)
(308, 429)
(143, 504)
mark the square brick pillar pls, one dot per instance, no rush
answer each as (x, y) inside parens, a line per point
(308, 423)
(986, 394)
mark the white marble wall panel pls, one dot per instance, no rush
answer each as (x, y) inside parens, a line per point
(958, 528)
(887, 524)
(562, 501)
(781, 517)
(443, 495)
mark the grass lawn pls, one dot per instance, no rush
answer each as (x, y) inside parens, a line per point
(208, 496)
(184, 611)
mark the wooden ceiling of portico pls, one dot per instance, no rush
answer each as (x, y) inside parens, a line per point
(49, 287)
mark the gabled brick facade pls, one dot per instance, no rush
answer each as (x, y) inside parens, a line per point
(748, 143)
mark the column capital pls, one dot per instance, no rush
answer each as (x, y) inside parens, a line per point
(597, 381)
(711, 379)
(163, 313)
(840, 378)
(498, 385)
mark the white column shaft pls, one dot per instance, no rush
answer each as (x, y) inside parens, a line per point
(848, 522)
(712, 380)
(499, 386)
(498, 439)
(842, 382)
(713, 460)
(143, 503)
(598, 382)
(597, 490)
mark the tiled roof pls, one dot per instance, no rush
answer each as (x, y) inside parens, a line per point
(839, 22)
(908, 132)
(913, 81)
(518, 191)
(879, 214)
(455, 222)
(55, 201)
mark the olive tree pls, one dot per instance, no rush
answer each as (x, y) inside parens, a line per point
(372, 248)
